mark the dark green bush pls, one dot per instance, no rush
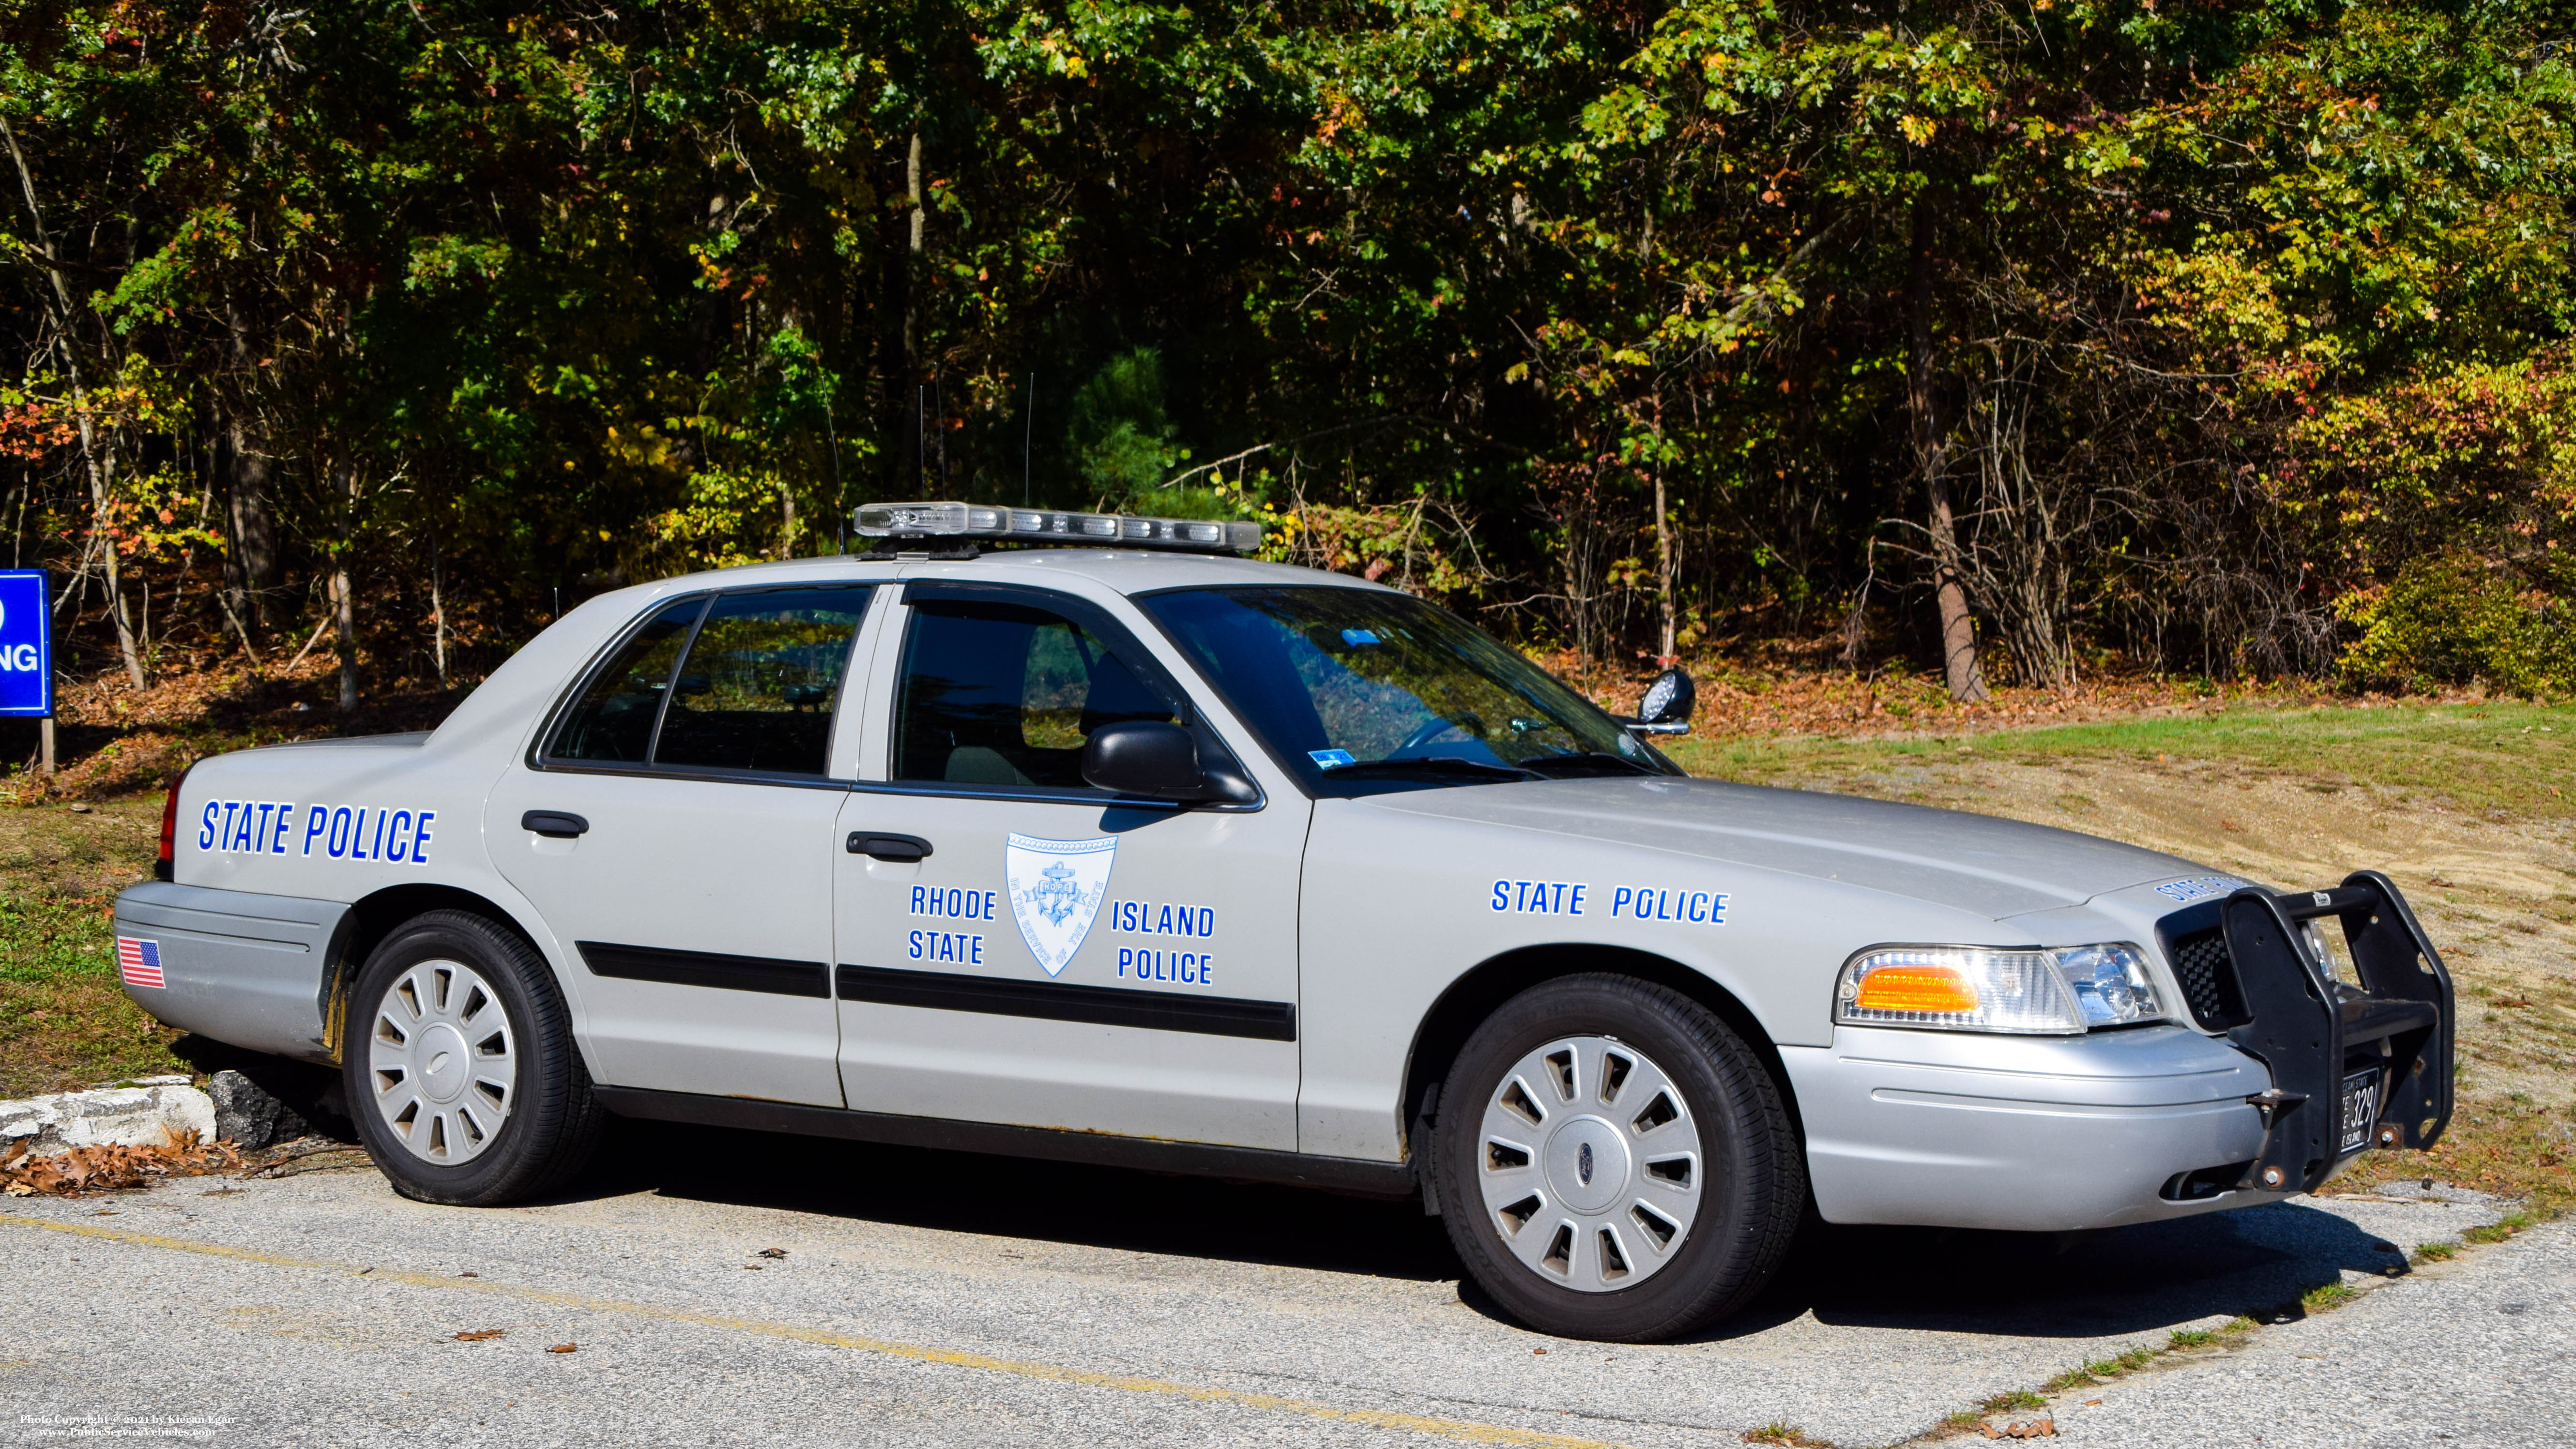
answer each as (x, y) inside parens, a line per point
(2455, 618)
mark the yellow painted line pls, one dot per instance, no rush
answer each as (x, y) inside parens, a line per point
(1459, 1429)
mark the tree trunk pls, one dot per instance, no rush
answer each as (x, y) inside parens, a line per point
(896, 337)
(250, 513)
(102, 484)
(251, 517)
(1665, 561)
(98, 459)
(437, 619)
(1931, 458)
(344, 604)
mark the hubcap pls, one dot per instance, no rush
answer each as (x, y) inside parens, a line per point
(1590, 1164)
(442, 1061)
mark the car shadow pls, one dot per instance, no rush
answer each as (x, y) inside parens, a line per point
(1061, 1202)
(2257, 1262)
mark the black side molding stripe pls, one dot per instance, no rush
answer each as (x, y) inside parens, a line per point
(1339, 1174)
(707, 968)
(1064, 1001)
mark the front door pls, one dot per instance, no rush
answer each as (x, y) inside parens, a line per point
(677, 835)
(1057, 957)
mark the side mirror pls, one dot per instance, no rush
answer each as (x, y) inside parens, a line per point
(1145, 757)
(1666, 709)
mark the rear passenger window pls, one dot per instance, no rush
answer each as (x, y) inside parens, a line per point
(758, 686)
(756, 689)
(1007, 694)
(615, 719)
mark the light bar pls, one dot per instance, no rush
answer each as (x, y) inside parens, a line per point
(1037, 525)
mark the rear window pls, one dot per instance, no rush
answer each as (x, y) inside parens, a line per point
(747, 681)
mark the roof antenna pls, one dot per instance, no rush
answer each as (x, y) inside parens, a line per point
(1028, 432)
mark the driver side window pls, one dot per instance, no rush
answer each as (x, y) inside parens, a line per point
(1007, 694)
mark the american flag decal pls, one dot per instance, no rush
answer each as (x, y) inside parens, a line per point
(139, 962)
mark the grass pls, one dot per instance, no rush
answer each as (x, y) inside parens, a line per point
(2103, 1370)
(2434, 1252)
(64, 1020)
(2501, 756)
(2517, 1148)
(2326, 1297)
(1786, 1434)
(2498, 1231)
(1968, 1421)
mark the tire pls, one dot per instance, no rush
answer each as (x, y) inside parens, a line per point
(1659, 1181)
(460, 1067)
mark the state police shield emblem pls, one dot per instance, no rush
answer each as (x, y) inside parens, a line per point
(1056, 889)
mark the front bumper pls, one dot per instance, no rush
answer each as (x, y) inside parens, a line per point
(1957, 1129)
(2034, 1134)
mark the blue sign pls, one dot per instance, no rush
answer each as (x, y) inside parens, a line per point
(26, 643)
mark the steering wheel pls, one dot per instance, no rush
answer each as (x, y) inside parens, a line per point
(1430, 730)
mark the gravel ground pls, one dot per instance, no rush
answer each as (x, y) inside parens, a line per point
(942, 1299)
(2474, 1352)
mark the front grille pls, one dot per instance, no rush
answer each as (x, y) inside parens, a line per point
(2208, 980)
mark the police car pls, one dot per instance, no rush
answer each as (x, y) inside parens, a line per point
(1080, 836)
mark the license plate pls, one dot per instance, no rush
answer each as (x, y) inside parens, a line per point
(2360, 1110)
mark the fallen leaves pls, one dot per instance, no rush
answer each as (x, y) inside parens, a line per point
(565, 1348)
(771, 1253)
(105, 1168)
(477, 1335)
(2032, 1429)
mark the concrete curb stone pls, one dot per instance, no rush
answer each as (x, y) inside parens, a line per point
(137, 1113)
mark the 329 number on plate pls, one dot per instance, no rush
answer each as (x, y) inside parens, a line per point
(2360, 1111)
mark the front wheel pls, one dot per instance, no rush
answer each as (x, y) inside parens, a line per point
(1614, 1162)
(460, 1065)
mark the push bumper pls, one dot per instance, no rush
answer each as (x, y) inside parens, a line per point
(2353, 1065)
(236, 966)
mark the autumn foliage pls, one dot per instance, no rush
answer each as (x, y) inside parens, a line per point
(2225, 339)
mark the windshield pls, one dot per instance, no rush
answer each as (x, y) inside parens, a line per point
(1350, 685)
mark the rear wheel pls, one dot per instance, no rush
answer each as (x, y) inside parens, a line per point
(1614, 1162)
(460, 1065)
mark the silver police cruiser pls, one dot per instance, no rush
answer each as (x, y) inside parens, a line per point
(1126, 849)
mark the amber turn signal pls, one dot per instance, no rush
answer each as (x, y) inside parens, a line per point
(1916, 988)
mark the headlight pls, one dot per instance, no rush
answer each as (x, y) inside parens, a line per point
(2056, 992)
(2322, 945)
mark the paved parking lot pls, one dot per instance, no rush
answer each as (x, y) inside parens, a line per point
(941, 1299)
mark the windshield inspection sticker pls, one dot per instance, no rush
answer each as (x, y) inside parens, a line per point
(1331, 759)
(1056, 887)
(2198, 888)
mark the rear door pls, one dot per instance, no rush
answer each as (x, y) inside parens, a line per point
(676, 831)
(1056, 956)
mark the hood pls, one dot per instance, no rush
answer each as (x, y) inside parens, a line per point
(1978, 863)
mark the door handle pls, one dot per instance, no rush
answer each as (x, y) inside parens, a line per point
(554, 824)
(880, 845)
